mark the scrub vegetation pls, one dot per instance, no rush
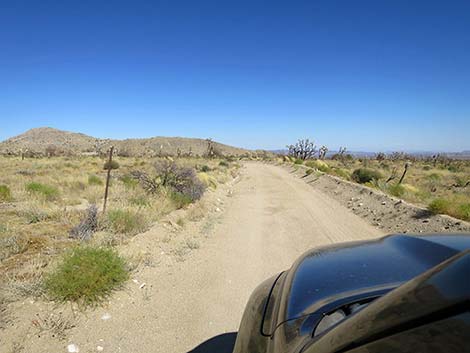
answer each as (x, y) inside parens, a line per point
(86, 275)
(51, 209)
(438, 183)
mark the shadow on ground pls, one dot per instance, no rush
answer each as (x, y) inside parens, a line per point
(219, 344)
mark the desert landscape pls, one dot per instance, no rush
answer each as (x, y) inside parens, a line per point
(185, 235)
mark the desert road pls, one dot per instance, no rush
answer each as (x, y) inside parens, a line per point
(196, 305)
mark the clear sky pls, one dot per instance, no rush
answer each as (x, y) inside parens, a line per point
(369, 75)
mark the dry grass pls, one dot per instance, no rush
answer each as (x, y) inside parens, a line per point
(43, 199)
(443, 187)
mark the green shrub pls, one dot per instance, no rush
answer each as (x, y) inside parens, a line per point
(461, 182)
(5, 193)
(47, 191)
(205, 168)
(309, 171)
(454, 207)
(180, 200)
(112, 165)
(298, 161)
(464, 211)
(223, 164)
(94, 180)
(342, 173)
(129, 182)
(318, 164)
(86, 275)
(126, 222)
(140, 201)
(434, 177)
(396, 190)
(364, 175)
(439, 205)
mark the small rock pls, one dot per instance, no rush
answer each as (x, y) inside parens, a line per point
(360, 204)
(425, 220)
(217, 209)
(142, 285)
(72, 348)
(106, 316)
(99, 348)
(384, 203)
(135, 281)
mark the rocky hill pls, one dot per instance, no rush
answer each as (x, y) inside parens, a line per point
(48, 141)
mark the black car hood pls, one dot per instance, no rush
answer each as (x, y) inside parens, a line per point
(430, 313)
(344, 270)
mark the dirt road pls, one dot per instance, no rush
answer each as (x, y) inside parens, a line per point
(270, 219)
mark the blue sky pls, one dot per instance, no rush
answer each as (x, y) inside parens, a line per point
(369, 75)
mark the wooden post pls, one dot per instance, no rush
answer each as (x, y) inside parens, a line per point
(110, 160)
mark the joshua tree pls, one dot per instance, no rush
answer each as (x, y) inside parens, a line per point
(51, 151)
(322, 152)
(212, 150)
(380, 156)
(303, 149)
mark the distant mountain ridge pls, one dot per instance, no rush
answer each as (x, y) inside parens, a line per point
(50, 141)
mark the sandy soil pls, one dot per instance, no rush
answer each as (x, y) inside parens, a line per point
(192, 281)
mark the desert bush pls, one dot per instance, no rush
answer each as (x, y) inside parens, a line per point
(129, 182)
(342, 173)
(318, 164)
(94, 180)
(87, 226)
(112, 165)
(364, 175)
(454, 206)
(5, 193)
(396, 190)
(205, 168)
(77, 185)
(33, 214)
(309, 171)
(180, 200)
(464, 211)
(298, 161)
(180, 179)
(433, 177)
(12, 245)
(47, 191)
(439, 205)
(223, 164)
(126, 222)
(208, 180)
(86, 275)
(461, 182)
(140, 201)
